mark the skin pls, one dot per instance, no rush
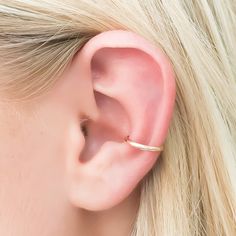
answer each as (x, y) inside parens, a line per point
(56, 181)
(32, 193)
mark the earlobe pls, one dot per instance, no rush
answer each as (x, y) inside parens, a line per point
(134, 91)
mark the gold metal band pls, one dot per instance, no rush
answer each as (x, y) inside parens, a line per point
(144, 147)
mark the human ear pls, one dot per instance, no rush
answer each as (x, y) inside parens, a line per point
(133, 86)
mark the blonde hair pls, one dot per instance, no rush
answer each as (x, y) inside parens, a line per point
(192, 188)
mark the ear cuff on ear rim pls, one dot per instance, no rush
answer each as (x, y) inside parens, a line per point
(140, 146)
(144, 147)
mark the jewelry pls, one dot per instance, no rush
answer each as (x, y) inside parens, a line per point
(144, 147)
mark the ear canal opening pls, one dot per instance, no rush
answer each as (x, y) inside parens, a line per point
(112, 126)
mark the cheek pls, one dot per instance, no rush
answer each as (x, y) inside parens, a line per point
(31, 166)
(27, 148)
(33, 155)
(32, 178)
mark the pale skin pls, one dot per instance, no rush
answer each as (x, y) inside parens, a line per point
(55, 181)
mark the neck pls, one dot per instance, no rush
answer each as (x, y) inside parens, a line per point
(117, 221)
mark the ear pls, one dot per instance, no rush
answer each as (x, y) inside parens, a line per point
(133, 87)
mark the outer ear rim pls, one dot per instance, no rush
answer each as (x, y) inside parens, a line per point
(133, 40)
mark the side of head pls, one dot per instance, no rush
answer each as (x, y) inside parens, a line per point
(165, 79)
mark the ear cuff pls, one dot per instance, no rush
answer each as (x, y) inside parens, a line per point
(144, 147)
